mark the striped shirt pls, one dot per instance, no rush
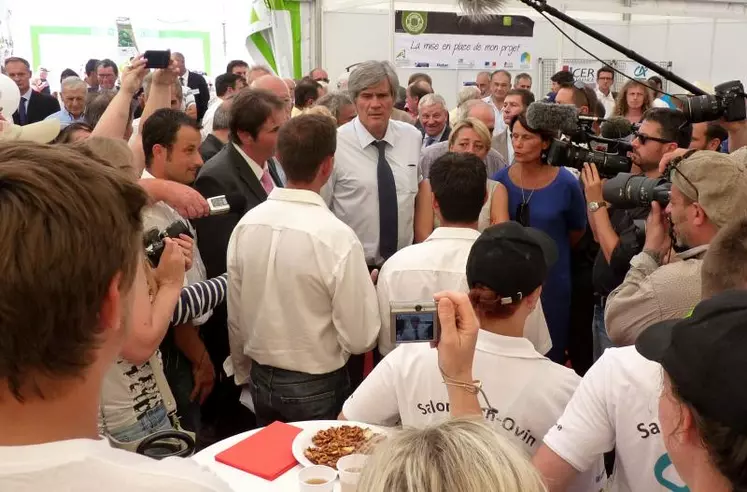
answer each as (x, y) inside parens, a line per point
(198, 299)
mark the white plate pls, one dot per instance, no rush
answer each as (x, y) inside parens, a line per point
(303, 440)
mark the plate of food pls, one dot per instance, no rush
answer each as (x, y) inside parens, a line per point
(327, 441)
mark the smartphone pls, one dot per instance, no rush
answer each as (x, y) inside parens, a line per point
(219, 205)
(415, 322)
(157, 58)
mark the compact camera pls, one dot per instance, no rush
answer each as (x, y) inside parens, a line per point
(415, 322)
(153, 240)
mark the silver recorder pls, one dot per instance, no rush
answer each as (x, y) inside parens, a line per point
(414, 322)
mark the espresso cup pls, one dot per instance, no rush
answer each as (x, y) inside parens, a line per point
(349, 469)
(317, 478)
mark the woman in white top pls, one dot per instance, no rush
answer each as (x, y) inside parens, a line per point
(471, 136)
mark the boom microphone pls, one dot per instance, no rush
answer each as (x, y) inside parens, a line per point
(553, 117)
(617, 127)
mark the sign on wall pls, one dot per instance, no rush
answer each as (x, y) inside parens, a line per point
(584, 70)
(446, 40)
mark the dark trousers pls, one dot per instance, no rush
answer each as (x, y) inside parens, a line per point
(290, 396)
(178, 371)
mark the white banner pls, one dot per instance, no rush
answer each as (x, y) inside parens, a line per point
(463, 51)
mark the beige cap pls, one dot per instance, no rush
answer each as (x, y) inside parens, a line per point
(719, 181)
(42, 132)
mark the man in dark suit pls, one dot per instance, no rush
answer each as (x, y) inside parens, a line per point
(193, 81)
(433, 119)
(33, 106)
(219, 133)
(240, 167)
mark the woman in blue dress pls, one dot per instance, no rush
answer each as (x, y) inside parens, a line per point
(551, 200)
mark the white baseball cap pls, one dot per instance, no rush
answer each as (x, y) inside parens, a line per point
(41, 132)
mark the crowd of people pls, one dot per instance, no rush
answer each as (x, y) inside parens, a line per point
(178, 260)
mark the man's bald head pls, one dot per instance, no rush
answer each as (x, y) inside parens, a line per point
(480, 110)
(277, 86)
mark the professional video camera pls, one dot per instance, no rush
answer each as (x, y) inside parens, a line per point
(575, 146)
(728, 103)
(631, 191)
(153, 240)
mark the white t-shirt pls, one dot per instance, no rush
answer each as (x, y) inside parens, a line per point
(417, 272)
(616, 406)
(87, 465)
(528, 391)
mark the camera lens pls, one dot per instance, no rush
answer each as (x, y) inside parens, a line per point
(627, 191)
(698, 109)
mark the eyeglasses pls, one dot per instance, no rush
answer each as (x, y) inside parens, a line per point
(674, 166)
(645, 138)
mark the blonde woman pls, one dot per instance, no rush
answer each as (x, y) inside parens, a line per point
(457, 455)
(469, 136)
(633, 100)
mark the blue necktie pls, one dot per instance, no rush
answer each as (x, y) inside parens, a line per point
(22, 111)
(429, 141)
(388, 227)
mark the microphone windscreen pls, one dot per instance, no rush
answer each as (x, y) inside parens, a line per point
(481, 7)
(617, 127)
(553, 117)
(236, 201)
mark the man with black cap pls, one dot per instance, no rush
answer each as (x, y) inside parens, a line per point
(709, 189)
(525, 392)
(703, 404)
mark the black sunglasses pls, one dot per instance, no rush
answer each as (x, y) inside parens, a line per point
(645, 138)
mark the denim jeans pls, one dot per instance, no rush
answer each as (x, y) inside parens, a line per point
(155, 419)
(601, 339)
(290, 396)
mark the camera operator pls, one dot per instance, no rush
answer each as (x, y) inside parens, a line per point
(708, 190)
(663, 130)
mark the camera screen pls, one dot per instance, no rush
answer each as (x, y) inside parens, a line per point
(414, 327)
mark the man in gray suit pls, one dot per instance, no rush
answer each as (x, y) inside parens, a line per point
(517, 101)
(477, 109)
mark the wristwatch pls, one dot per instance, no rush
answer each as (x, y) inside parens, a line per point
(594, 206)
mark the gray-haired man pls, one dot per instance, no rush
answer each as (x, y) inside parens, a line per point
(433, 119)
(74, 91)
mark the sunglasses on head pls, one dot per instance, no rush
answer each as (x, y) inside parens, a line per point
(645, 138)
(674, 166)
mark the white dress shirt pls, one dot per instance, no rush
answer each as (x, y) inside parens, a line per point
(499, 123)
(299, 294)
(509, 147)
(352, 190)
(608, 102)
(256, 168)
(207, 119)
(436, 139)
(416, 273)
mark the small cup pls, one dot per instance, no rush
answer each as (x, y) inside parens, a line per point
(317, 478)
(350, 468)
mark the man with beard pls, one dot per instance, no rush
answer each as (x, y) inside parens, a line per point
(709, 190)
(663, 130)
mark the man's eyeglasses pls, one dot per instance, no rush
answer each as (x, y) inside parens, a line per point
(645, 138)
(674, 166)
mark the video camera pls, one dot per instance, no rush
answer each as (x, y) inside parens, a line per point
(728, 103)
(574, 147)
(153, 240)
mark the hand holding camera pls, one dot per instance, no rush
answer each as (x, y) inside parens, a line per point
(186, 244)
(133, 75)
(592, 183)
(171, 267)
(658, 241)
(459, 328)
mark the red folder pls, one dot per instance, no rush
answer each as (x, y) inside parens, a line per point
(266, 454)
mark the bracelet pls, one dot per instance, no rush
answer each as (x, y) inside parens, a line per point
(472, 388)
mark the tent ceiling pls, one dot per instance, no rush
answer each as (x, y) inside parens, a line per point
(724, 9)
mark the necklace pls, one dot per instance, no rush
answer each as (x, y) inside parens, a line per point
(524, 199)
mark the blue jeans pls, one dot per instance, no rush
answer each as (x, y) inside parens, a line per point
(155, 419)
(290, 396)
(601, 339)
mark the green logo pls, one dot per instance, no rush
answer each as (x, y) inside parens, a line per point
(414, 22)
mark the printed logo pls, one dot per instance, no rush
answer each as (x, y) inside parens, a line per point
(402, 55)
(508, 65)
(640, 71)
(422, 64)
(526, 58)
(442, 65)
(414, 22)
(660, 467)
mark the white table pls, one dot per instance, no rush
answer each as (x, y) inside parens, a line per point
(241, 481)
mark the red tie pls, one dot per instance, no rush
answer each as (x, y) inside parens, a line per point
(266, 181)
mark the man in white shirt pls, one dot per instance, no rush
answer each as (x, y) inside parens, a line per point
(417, 272)
(500, 84)
(226, 85)
(171, 142)
(65, 319)
(300, 299)
(376, 176)
(605, 80)
(524, 392)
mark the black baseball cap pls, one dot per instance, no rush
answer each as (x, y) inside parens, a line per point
(705, 356)
(512, 260)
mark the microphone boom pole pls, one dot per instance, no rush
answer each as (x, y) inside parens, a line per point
(542, 6)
